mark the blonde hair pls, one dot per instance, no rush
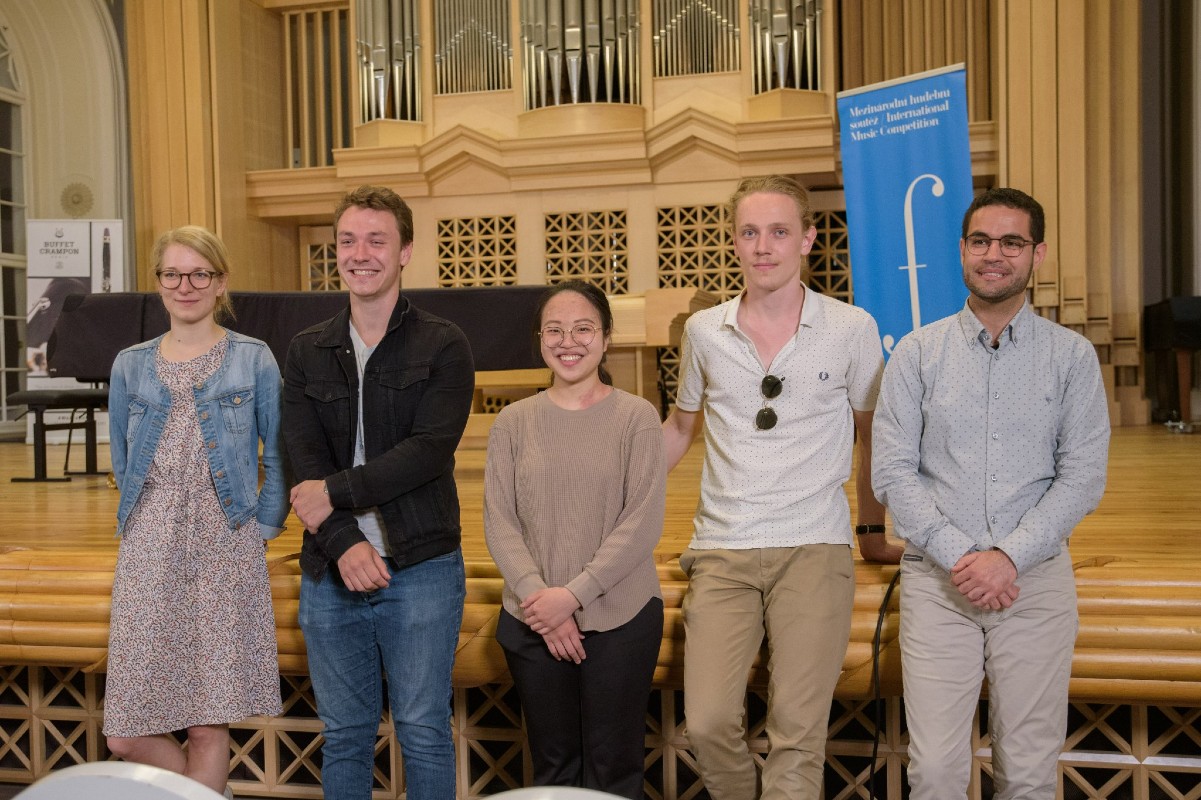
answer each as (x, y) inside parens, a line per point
(205, 244)
(774, 184)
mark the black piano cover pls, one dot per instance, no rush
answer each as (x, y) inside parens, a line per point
(93, 328)
(1173, 323)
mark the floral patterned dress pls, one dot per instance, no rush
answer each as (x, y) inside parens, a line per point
(192, 632)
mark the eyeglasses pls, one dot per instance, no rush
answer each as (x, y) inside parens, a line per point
(1011, 246)
(582, 334)
(771, 386)
(171, 279)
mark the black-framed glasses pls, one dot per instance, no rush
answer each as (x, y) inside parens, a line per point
(582, 334)
(171, 279)
(770, 386)
(1012, 246)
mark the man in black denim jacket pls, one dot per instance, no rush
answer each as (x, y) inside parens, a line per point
(377, 497)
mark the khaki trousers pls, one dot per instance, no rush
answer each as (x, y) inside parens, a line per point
(949, 646)
(801, 598)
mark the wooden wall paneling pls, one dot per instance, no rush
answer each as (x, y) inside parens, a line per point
(890, 30)
(167, 119)
(168, 87)
(911, 32)
(958, 37)
(944, 39)
(227, 131)
(874, 53)
(196, 64)
(248, 122)
(1072, 183)
(339, 60)
(999, 98)
(140, 143)
(851, 44)
(1099, 199)
(318, 67)
(977, 54)
(305, 88)
(264, 110)
(356, 92)
(1032, 105)
(1016, 110)
(1043, 110)
(938, 38)
(1126, 267)
(930, 43)
(291, 75)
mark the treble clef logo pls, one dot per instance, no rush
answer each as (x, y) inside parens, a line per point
(911, 245)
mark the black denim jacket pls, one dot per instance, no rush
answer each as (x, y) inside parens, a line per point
(418, 388)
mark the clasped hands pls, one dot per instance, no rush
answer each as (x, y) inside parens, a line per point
(548, 612)
(986, 579)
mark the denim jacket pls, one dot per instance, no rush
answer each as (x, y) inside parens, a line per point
(417, 392)
(237, 407)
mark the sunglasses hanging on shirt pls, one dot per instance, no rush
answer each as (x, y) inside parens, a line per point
(771, 386)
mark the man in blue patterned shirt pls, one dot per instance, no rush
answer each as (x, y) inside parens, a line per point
(990, 443)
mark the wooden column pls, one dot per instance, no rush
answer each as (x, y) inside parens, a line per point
(1068, 112)
(170, 120)
(206, 97)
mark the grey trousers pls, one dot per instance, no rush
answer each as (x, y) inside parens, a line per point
(949, 646)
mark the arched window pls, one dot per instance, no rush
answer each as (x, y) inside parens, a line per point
(12, 231)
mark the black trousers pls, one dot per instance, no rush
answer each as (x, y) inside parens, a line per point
(586, 723)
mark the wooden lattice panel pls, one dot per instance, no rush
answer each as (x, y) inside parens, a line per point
(477, 251)
(323, 268)
(591, 246)
(669, 373)
(51, 717)
(695, 250)
(830, 258)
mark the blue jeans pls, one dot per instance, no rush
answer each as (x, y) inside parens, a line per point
(412, 628)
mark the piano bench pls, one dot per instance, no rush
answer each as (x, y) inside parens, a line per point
(42, 400)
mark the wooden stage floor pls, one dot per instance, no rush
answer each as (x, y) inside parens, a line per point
(1134, 724)
(1137, 557)
(1151, 512)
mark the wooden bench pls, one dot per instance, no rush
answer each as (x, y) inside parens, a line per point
(1137, 642)
(39, 402)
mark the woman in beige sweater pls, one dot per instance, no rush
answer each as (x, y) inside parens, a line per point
(573, 507)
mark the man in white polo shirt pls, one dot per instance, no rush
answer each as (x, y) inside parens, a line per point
(780, 378)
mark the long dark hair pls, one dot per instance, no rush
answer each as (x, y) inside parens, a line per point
(596, 298)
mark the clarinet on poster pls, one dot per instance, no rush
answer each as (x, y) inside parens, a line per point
(66, 257)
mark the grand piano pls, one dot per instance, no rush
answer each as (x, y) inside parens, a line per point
(498, 322)
(1173, 326)
(93, 328)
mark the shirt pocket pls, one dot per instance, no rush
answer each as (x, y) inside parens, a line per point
(401, 391)
(137, 415)
(237, 410)
(330, 400)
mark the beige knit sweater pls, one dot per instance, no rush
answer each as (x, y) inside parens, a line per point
(575, 499)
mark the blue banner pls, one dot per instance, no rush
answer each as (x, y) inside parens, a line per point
(907, 176)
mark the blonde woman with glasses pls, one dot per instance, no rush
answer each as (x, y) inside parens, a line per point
(192, 633)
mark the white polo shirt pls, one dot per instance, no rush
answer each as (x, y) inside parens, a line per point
(781, 487)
